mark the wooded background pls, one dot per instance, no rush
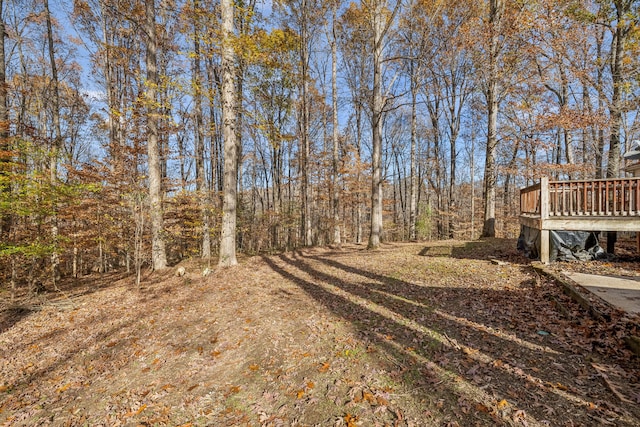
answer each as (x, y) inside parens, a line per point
(332, 122)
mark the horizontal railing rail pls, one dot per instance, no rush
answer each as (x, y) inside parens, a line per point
(617, 197)
(602, 197)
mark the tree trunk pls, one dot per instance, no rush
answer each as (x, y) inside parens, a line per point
(158, 251)
(412, 157)
(201, 188)
(599, 158)
(490, 172)
(229, 102)
(376, 129)
(304, 130)
(336, 138)
(57, 143)
(5, 220)
(615, 110)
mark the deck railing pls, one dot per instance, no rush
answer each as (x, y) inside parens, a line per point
(599, 197)
(530, 200)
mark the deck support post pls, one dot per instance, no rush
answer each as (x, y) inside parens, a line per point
(544, 247)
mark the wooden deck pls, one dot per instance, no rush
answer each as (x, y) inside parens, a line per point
(588, 205)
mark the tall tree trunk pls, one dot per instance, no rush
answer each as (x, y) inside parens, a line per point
(201, 187)
(599, 160)
(336, 138)
(229, 102)
(376, 128)
(490, 171)
(412, 156)
(566, 133)
(359, 201)
(158, 250)
(304, 129)
(5, 219)
(507, 199)
(615, 109)
(57, 142)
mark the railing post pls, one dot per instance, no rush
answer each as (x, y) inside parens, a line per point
(544, 215)
(544, 199)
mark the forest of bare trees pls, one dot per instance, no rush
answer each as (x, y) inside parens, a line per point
(136, 134)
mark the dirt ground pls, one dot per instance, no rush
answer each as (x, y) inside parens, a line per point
(439, 334)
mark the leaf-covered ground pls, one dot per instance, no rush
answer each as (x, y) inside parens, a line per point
(441, 334)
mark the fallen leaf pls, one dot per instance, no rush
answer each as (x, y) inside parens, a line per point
(254, 367)
(64, 388)
(324, 367)
(502, 404)
(482, 408)
(137, 412)
(351, 420)
(369, 397)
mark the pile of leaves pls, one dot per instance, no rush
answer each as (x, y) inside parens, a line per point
(454, 333)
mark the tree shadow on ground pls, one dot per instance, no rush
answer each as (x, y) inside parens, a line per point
(483, 249)
(480, 349)
(12, 316)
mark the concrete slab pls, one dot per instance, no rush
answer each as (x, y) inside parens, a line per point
(622, 293)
